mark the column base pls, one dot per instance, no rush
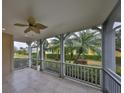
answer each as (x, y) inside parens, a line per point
(41, 69)
(62, 76)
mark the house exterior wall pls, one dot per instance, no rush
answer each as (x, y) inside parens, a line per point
(7, 54)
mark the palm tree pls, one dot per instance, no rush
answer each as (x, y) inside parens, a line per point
(85, 40)
(54, 46)
(82, 41)
(118, 38)
(69, 47)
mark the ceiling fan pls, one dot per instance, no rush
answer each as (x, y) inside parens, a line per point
(32, 25)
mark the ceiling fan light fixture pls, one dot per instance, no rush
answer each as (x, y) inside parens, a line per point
(26, 35)
(32, 26)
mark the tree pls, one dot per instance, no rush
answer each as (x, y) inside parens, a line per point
(15, 49)
(81, 41)
(118, 38)
(54, 45)
(87, 39)
(22, 51)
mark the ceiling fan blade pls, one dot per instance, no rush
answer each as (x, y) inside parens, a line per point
(36, 30)
(27, 30)
(31, 20)
(19, 24)
(40, 26)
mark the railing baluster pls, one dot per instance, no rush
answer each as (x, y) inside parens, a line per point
(84, 74)
(95, 76)
(72, 71)
(75, 71)
(81, 72)
(92, 75)
(68, 69)
(88, 74)
(65, 69)
(100, 77)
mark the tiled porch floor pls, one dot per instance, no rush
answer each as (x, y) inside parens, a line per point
(31, 81)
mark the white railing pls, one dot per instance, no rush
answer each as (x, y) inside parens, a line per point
(88, 74)
(112, 82)
(20, 63)
(52, 66)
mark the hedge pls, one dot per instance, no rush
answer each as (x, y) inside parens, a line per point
(69, 57)
(34, 55)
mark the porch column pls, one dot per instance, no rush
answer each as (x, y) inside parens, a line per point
(108, 51)
(62, 57)
(29, 53)
(41, 55)
(108, 46)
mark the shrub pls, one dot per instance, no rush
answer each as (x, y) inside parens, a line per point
(93, 57)
(53, 56)
(34, 55)
(69, 57)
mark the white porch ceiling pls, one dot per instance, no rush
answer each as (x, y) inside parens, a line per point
(60, 16)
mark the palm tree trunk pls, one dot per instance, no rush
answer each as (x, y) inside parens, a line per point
(77, 57)
(80, 51)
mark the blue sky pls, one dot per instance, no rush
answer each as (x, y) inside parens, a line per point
(20, 44)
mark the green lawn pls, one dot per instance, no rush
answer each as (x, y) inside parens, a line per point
(118, 70)
(20, 56)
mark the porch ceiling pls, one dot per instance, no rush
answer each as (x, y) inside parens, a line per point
(60, 16)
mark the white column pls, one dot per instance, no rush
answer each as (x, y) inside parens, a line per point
(108, 46)
(62, 57)
(29, 54)
(41, 55)
(108, 51)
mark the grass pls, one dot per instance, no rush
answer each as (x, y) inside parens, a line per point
(89, 62)
(20, 56)
(118, 70)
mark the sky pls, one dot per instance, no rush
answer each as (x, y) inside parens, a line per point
(20, 44)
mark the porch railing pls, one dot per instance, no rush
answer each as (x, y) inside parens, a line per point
(20, 63)
(52, 66)
(112, 82)
(88, 74)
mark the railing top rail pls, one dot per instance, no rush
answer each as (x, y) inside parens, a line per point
(35, 59)
(52, 61)
(113, 75)
(85, 65)
(74, 64)
(20, 58)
